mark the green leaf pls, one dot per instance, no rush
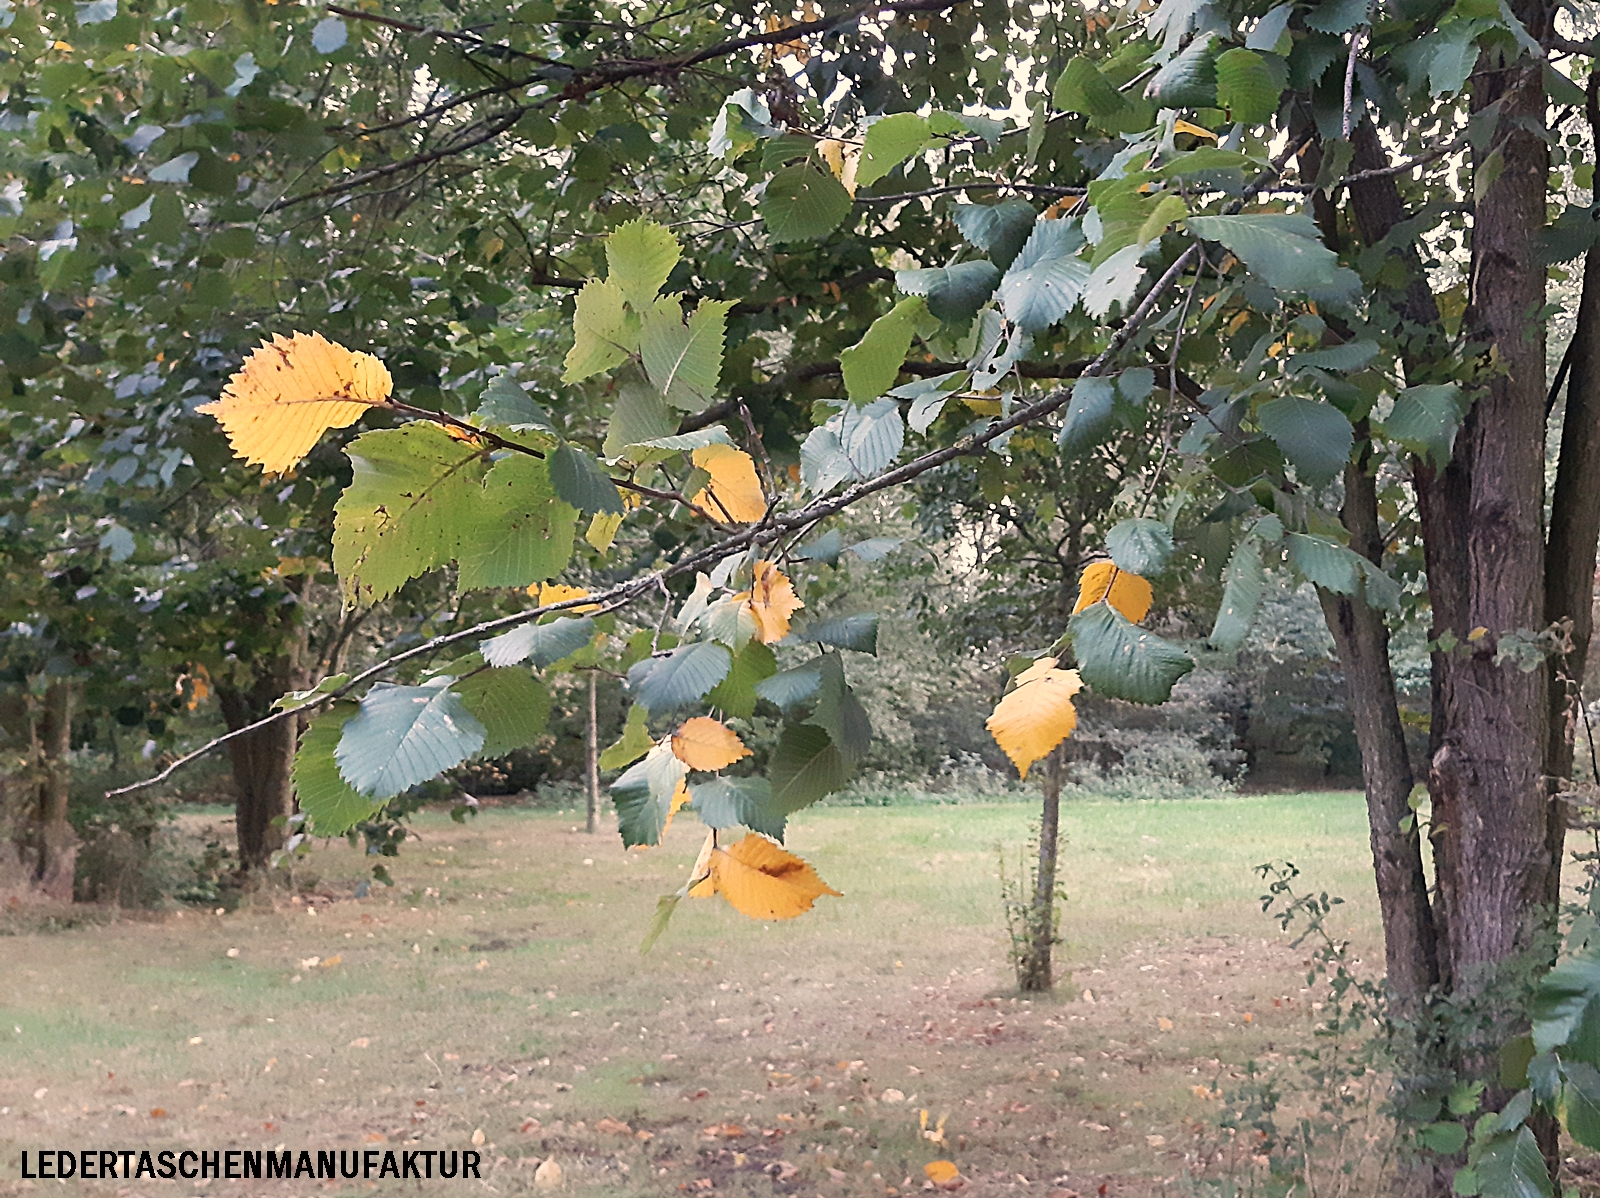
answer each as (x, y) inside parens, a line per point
(519, 531)
(1337, 16)
(405, 735)
(658, 449)
(846, 632)
(839, 713)
(333, 806)
(1561, 999)
(1000, 230)
(639, 416)
(793, 688)
(871, 436)
(510, 704)
(1444, 1138)
(634, 742)
(665, 906)
(805, 767)
(412, 492)
(871, 365)
(581, 481)
(1047, 277)
(505, 404)
(684, 359)
(1083, 89)
(1284, 251)
(1511, 1166)
(738, 802)
(643, 795)
(295, 700)
(1190, 79)
(889, 142)
(1246, 87)
(639, 257)
(1243, 584)
(736, 694)
(1140, 546)
(954, 293)
(682, 676)
(1580, 1102)
(1122, 661)
(1324, 563)
(1088, 414)
(1270, 29)
(543, 644)
(1379, 590)
(1316, 437)
(1352, 355)
(803, 203)
(1426, 419)
(604, 333)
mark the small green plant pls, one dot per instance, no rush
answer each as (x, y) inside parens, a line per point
(1024, 920)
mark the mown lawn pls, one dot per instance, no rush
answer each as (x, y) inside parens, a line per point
(495, 996)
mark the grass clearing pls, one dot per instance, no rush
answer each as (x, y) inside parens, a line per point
(496, 989)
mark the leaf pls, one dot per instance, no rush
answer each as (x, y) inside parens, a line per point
(1270, 29)
(1425, 420)
(1245, 87)
(328, 35)
(1122, 661)
(1083, 89)
(665, 906)
(506, 404)
(1560, 1001)
(1088, 414)
(793, 688)
(405, 735)
(872, 364)
(1324, 563)
(330, 802)
(1037, 715)
(518, 530)
(802, 203)
(762, 881)
(1000, 230)
(1284, 251)
(737, 802)
(772, 601)
(1352, 355)
(604, 333)
(510, 704)
(823, 463)
(1512, 1166)
(804, 767)
(731, 621)
(1129, 594)
(941, 1173)
(889, 142)
(644, 795)
(839, 713)
(703, 743)
(640, 416)
(1190, 79)
(1444, 1138)
(1316, 437)
(734, 492)
(736, 695)
(543, 644)
(639, 256)
(1115, 280)
(682, 676)
(581, 481)
(953, 293)
(634, 742)
(412, 491)
(846, 632)
(1244, 581)
(871, 437)
(1337, 16)
(1139, 546)
(1580, 1102)
(290, 391)
(1047, 278)
(295, 700)
(684, 359)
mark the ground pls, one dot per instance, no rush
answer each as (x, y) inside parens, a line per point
(494, 1000)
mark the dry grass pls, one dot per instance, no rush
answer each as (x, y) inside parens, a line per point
(497, 987)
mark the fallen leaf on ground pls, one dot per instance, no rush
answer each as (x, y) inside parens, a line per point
(612, 1127)
(548, 1175)
(943, 1174)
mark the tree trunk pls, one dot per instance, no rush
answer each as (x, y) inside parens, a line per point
(263, 760)
(1037, 973)
(55, 844)
(592, 823)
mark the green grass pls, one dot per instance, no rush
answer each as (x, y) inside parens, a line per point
(515, 997)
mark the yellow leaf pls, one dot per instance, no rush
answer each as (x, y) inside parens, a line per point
(762, 881)
(1478, 633)
(734, 492)
(842, 160)
(603, 530)
(1036, 716)
(679, 798)
(1130, 594)
(771, 599)
(292, 390)
(941, 1173)
(556, 592)
(1182, 126)
(704, 887)
(703, 743)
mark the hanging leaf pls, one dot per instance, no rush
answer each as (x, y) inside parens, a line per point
(1246, 87)
(703, 743)
(793, 688)
(604, 333)
(805, 767)
(684, 358)
(1088, 414)
(1047, 278)
(1190, 79)
(1316, 437)
(1123, 661)
(871, 437)
(1139, 546)
(640, 416)
(1512, 1166)
(1000, 230)
(290, 391)
(872, 364)
(542, 644)
(845, 632)
(1324, 563)
(639, 256)
(581, 481)
(682, 676)
(1426, 419)
(737, 802)
(1129, 594)
(762, 881)
(1037, 715)
(889, 142)
(734, 492)
(1284, 251)
(520, 531)
(1081, 88)
(1243, 584)
(839, 713)
(953, 293)
(771, 600)
(736, 695)
(506, 404)
(803, 203)
(332, 804)
(510, 704)
(405, 735)
(644, 795)
(634, 742)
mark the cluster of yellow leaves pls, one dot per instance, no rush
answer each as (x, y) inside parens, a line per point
(1037, 715)
(771, 600)
(734, 492)
(703, 743)
(1128, 593)
(758, 879)
(290, 391)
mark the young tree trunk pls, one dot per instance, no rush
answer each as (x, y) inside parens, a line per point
(1037, 973)
(592, 824)
(55, 844)
(263, 760)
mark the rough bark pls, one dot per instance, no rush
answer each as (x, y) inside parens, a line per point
(1037, 971)
(592, 823)
(54, 843)
(263, 760)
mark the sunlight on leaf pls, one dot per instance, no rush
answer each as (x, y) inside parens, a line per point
(1037, 715)
(771, 599)
(734, 492)
(703, 743)
(1130, 594)
(761, 880)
